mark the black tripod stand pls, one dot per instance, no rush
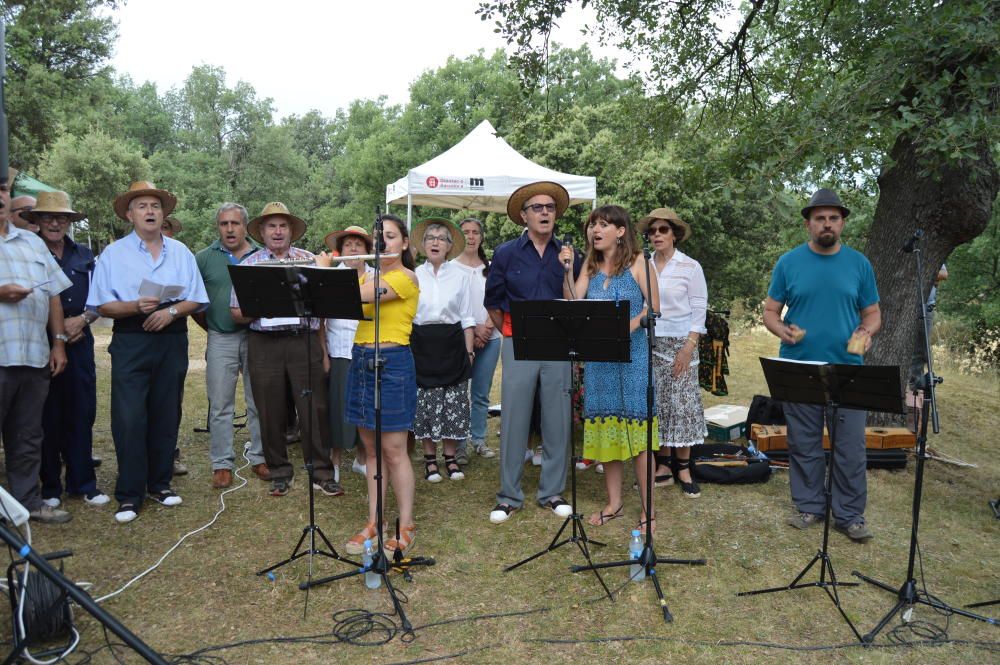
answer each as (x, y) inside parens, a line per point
(909, 594)
(574, 330)
(647, 558)
(41, 562)
(300, 292)
(381, 564)
(832, 386)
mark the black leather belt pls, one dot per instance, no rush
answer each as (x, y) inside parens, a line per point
(283, 333)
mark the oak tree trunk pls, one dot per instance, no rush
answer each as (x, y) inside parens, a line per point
(952, 207)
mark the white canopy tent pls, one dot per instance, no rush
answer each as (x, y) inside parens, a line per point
(479, 173)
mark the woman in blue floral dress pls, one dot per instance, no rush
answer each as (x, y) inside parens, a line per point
(614, 406)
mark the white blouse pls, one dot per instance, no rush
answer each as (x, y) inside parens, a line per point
(340, 332)
(683, 296)
(477, 293)
(445, 296)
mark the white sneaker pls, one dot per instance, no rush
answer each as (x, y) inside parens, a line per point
(599, 468)
(97, 499)
(125, 514)
(558, 506)
(536, 459)
(336, 473)
(584, 464)
(54, 502)
(358, 468)
(501, 513)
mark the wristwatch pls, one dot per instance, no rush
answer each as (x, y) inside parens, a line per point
(172, 311)
(62, 338)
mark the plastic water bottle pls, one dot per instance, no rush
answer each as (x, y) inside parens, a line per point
(636, 571)
(372, 580)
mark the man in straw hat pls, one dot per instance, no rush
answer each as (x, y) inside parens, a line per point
(277, 352)
(226, 350)
(149, 285)
(171, 227)
(833, 312)
(71, 405)
(30, 284)
(528, 268)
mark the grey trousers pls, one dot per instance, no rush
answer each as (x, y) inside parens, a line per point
(22, 397)
(807, 463)
(517, 393)
(225, 359)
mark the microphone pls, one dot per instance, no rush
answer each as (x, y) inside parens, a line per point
(911, 244)
(378, 239)
(568, 242)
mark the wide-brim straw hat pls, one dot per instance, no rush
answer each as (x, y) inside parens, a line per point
(174, 224)
(52, 203)
(522, 194)
(457, 237)
(336, 239)
(144, 188)
(270, 210)
(825, 198)
(669, 215)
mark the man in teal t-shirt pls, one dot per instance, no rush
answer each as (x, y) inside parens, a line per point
(831, 296)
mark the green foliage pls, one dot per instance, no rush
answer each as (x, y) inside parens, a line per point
(972, 291)
(93, 169)
(56, 50)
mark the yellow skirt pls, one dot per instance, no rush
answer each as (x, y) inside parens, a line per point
(611, 438)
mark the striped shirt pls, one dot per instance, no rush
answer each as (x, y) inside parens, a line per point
(27, 262)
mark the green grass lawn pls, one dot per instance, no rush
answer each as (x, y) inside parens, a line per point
(206, 592)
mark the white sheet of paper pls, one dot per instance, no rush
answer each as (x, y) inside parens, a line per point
(162, 292)
(279, 321)
(800, 362)
(35, 286)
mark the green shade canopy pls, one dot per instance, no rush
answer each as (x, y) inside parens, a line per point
(25, 185)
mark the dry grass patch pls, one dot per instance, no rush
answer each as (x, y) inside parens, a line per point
(206, 592)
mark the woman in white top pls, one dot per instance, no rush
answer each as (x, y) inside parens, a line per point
(683, 301)
(442, 344)
(486, 338)
(352, 241)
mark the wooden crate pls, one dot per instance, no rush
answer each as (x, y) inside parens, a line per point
(775, 437)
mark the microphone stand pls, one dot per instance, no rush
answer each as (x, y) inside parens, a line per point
(908, 594)
(297, 281)
(648, 558)
(380, 562)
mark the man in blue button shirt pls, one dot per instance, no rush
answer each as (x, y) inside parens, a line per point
(832, 301)
(71, 406)
(528, 268)
(149, 345)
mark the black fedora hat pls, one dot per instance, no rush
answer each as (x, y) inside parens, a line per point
(825, 198)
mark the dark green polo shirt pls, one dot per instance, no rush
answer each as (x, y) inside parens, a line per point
(214, 262)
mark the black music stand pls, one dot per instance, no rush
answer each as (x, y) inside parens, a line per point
(573, 330)
(302, 292)
(869, 387)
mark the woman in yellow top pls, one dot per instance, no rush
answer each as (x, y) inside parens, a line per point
(399, 385)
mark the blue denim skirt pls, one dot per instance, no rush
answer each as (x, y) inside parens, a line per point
(399, 389)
